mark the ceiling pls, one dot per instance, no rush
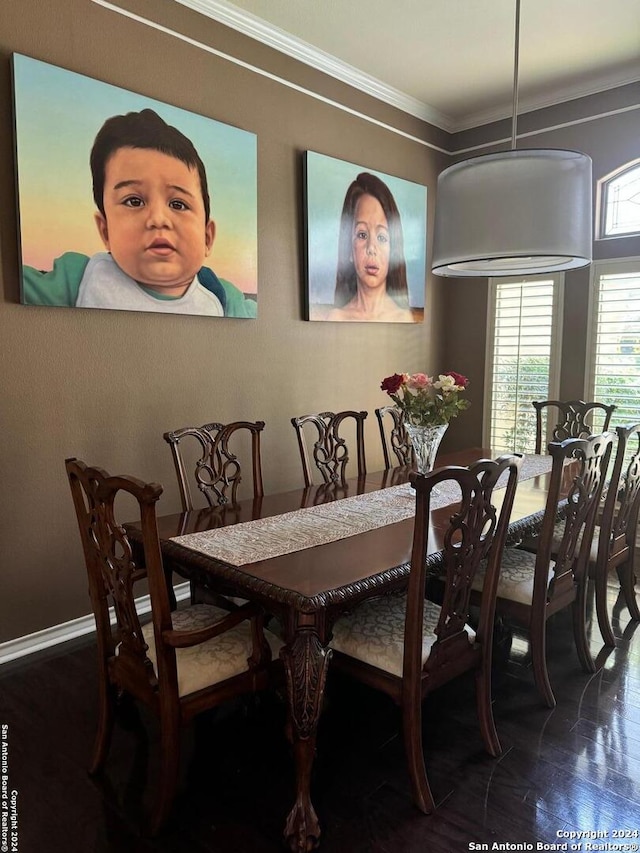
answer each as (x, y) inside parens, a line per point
(451, 61)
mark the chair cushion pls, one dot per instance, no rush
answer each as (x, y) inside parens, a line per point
(516, 576)
(558, 533)
(374, 632)
(214, 660)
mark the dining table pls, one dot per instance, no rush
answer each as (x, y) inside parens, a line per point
(309, 555)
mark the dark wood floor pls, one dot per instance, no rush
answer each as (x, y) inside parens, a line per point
(576, 768)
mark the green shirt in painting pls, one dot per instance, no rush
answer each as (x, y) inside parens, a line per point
(60, 286)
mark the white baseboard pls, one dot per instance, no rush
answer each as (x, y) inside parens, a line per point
(36, 642)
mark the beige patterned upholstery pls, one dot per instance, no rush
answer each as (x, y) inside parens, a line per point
(530, 544)
(374, 633)
(558, 532)
(389, 643)
(516, 576)
(205, 657)
(215, 660)
(529, 591)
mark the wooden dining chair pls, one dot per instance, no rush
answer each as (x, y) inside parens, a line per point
(572, 418)
(207, 457)
(394, 437)
(406, 645)
(330, 451)
(535, 585)
(614, 541)
(178, 664)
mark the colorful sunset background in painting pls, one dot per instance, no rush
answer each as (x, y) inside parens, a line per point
(58, 114)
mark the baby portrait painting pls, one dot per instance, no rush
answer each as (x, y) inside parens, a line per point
(366, 244)
(131, 204)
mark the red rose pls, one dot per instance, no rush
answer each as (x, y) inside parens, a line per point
(392, 383)
(459, 379)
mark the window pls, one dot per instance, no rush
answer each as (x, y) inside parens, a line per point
(523, 346)
(619, 200)
(613, 356)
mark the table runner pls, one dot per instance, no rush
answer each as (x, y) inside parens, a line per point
(274, 536)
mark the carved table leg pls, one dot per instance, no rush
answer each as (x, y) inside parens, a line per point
(306, 664)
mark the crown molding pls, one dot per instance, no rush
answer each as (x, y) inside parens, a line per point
(560, 96)
(276, 38)
(230, 15)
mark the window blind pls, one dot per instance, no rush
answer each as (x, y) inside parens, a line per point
(614, 375)
(521, 359)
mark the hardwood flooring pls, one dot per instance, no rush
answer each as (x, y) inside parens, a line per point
(573, 769)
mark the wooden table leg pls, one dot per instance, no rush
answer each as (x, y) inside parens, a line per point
(306, 662)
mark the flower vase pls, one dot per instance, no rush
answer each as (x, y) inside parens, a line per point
(425, 441)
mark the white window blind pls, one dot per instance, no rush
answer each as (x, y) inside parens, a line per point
(521, 365)
(614, 340)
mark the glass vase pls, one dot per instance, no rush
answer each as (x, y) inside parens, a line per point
(425, 441)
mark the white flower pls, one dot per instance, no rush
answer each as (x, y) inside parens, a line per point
(446, 383)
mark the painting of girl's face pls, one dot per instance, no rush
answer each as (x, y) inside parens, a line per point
(366, 243)
(371, 246)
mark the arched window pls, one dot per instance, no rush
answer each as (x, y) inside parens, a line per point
(619, 198)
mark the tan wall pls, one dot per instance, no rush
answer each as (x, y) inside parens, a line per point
(104, 385)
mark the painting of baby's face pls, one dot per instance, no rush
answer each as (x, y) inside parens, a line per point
(154, 219)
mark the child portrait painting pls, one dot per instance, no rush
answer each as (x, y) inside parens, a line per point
(131, 204)
(366, 244)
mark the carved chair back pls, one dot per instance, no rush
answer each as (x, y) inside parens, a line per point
(619, 528)
(113, 571)
(437, 643)
(395, 438)
(572, 418)
(214, 466)
(534, 586)
(330, 452)
(176, 685)
(476, 533)
(583, 464)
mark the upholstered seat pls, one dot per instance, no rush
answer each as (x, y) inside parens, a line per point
(374, 633)
(182, 662)
(215, 660)
(516, 576)
(533, 586)
(408, 646)
(532, 542)
(614, 542)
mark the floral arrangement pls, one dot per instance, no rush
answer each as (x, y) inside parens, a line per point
(427, 401)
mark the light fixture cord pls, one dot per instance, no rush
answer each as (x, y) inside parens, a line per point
(514, 120)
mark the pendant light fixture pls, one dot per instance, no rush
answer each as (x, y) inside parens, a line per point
(518, 212)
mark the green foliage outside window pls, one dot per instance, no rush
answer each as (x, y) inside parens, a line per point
(517, 382)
